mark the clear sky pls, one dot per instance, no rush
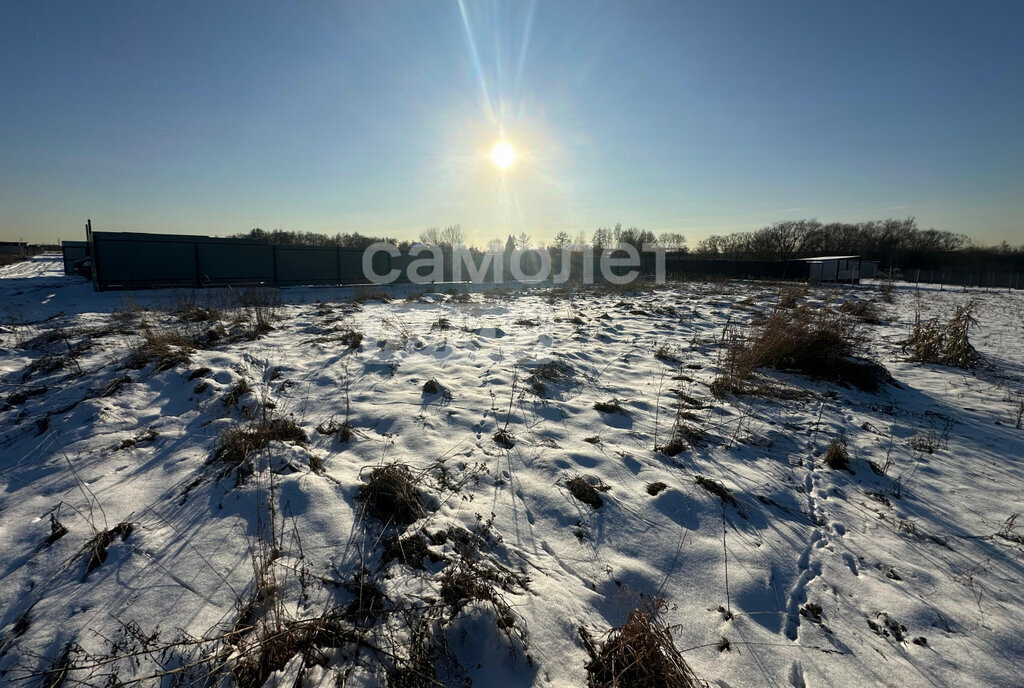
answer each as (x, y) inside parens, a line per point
(380, 117)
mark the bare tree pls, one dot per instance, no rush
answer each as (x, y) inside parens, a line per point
(673, 241)
(431, 235)
(452, 236)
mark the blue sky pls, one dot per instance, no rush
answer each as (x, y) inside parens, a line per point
(379, 117)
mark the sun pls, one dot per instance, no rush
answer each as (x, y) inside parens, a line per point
(503, 154)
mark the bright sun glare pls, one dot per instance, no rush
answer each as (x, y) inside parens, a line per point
(503, 154)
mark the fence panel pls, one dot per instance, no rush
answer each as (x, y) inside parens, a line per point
(73, 251)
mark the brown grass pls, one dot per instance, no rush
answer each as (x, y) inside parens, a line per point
(587, 491)
(392, 496)
(503, 438)
(638, 654)
(866, 311)
(166, 348)
(545, 373)
(716, 488)
(237, 443)
(610, 406)
(945, 344)
(98, 544)
(836, 457)
(817, 343)
(240, 389)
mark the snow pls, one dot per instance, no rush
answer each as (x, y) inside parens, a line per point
(914, 549)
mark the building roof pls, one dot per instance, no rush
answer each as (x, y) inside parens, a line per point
(817, 258)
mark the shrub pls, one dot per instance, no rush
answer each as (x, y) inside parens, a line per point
(655, 488)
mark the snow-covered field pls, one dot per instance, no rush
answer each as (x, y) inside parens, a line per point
(807, 577)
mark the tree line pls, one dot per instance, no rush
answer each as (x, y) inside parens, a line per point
(897, 243)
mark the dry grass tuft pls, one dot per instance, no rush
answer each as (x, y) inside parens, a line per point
(98, 544)
(587, 490)
(948, 344)
(817, 343)
(146, 436)
(503, 438)
(611, 406)
(638, 654)
(366, 293)
(24, 394)
(273, 642)
(392, 496)
(57, 531)
(716, 488)
(240, 389)
(665, 353)
(788, 297)
(342, 431)
(684, 435)
(410, 550)
(237, 443)
(165, 348)
(191, 312)
(548, 373)
(836, 457)
(676, 445)
(866, 311)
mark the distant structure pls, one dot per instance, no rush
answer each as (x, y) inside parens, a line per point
(13, 248)
(822, 269)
